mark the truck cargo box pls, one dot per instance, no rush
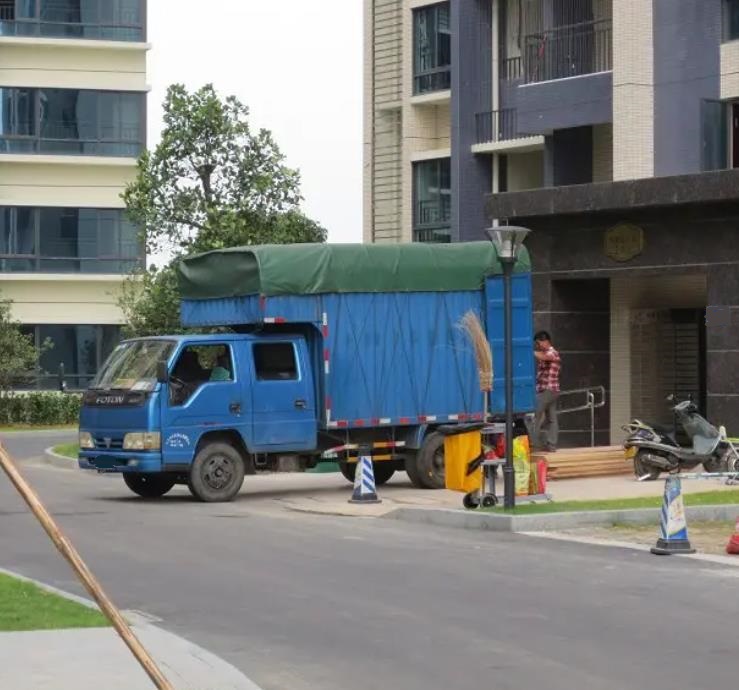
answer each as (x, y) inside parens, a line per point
(382, 322)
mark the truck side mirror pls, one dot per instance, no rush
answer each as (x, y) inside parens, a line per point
(62, 382)
(162, 372)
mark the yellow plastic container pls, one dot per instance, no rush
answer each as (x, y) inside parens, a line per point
(461, 453)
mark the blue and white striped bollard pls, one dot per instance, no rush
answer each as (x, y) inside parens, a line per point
(364, 480)
(673, 523)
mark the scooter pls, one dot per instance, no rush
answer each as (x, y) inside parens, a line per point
(655, 449)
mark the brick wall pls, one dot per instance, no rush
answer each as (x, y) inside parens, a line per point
(633, 89)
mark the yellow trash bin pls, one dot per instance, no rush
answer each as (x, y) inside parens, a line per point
(463, 461)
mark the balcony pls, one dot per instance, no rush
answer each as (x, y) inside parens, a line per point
(569, 51)
(432, 220)
(55, 24)
(77, 139)
(497, 131)
(432, 81)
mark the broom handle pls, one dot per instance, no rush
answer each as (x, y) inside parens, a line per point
(91, 584)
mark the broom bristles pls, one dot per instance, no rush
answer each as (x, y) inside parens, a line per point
(483, 354)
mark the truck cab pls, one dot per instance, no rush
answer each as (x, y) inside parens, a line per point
(197, 410)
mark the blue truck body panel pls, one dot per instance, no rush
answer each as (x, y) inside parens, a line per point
(395, 359)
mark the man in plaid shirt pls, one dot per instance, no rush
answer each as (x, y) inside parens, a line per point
(548, 366)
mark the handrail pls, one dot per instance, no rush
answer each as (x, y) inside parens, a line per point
(591, 404)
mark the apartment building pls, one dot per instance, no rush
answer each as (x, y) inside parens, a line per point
(611, 129)
(72, 124)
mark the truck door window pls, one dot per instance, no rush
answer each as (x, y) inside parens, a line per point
(196, 366)
(275, 362)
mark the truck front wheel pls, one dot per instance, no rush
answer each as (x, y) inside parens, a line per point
(217, 473)
(149, 485)
(383, 471)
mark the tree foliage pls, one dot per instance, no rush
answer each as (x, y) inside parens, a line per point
(20, 356)
(211, 183)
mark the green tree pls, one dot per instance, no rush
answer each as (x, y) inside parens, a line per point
(20, 356)
(211, 183)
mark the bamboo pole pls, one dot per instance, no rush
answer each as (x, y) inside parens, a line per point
(91, 584)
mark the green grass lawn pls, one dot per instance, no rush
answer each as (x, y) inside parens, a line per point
(9, 428)
(68, 450)
(708, 498)
(24, 606)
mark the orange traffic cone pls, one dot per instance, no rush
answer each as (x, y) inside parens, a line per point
(733, 546)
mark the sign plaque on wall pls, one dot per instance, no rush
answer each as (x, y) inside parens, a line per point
(624, 242)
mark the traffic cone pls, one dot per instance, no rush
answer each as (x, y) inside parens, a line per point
(673, 524)
(364, 481)
(732, 547)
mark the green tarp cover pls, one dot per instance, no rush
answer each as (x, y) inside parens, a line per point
(311, 269)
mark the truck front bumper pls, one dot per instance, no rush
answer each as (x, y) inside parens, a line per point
(120, 461)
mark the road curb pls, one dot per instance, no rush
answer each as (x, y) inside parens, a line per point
(546, 522)
(223, 674)
(56, 460)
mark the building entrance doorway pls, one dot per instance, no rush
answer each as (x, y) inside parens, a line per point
(668, 357)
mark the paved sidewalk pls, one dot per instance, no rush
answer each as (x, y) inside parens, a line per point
(97, 659)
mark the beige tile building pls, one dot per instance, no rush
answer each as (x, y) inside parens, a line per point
(73, 90)
(596, 123)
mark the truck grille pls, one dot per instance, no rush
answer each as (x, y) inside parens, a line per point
(109, 443)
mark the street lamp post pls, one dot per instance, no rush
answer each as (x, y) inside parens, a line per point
(508, 241)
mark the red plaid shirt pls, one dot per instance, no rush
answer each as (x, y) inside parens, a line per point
(547, 373)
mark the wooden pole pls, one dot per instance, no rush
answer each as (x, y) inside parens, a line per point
(91, 584)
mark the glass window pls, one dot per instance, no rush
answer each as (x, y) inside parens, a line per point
(275, 362)
(132, 365)
(95, 19)
(432, 53)
(196, 366)
(731, 20)
(432, 200)
(68, 240)
(17, 112)
(81, 349)
(715, 132)
(72, 121)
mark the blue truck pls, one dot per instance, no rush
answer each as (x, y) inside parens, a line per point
(310, 351)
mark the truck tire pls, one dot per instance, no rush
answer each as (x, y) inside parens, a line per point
(413, 471)
(431, 462)
(149, 485)
(217, 473)
(383, 471)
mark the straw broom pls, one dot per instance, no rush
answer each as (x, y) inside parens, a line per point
(471, 325)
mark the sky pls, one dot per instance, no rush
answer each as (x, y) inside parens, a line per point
(297, 65)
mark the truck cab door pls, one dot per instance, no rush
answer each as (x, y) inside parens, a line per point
(283, 405)
(205, 392)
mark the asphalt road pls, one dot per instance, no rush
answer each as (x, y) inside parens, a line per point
(298, 601)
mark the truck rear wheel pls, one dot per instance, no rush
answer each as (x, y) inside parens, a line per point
(149, 485)
(431, 462)
(217, 473)
(383, 471)
(413, 471)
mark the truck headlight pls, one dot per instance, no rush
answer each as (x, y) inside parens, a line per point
(86, 441)
(150, 440)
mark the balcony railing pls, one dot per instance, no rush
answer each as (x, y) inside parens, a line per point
(569, 51)
(434, 80)
(432, 220)
(511, 68)
(128, 30)
(440, 236)
(496, 125)
(78, 138)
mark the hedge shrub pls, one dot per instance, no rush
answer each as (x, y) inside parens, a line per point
(40, 409)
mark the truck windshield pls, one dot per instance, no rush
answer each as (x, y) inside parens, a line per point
(133, 366)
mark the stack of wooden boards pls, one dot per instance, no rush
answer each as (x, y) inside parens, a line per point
(572, 463)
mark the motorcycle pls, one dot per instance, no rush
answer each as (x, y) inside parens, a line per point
(655, 449)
